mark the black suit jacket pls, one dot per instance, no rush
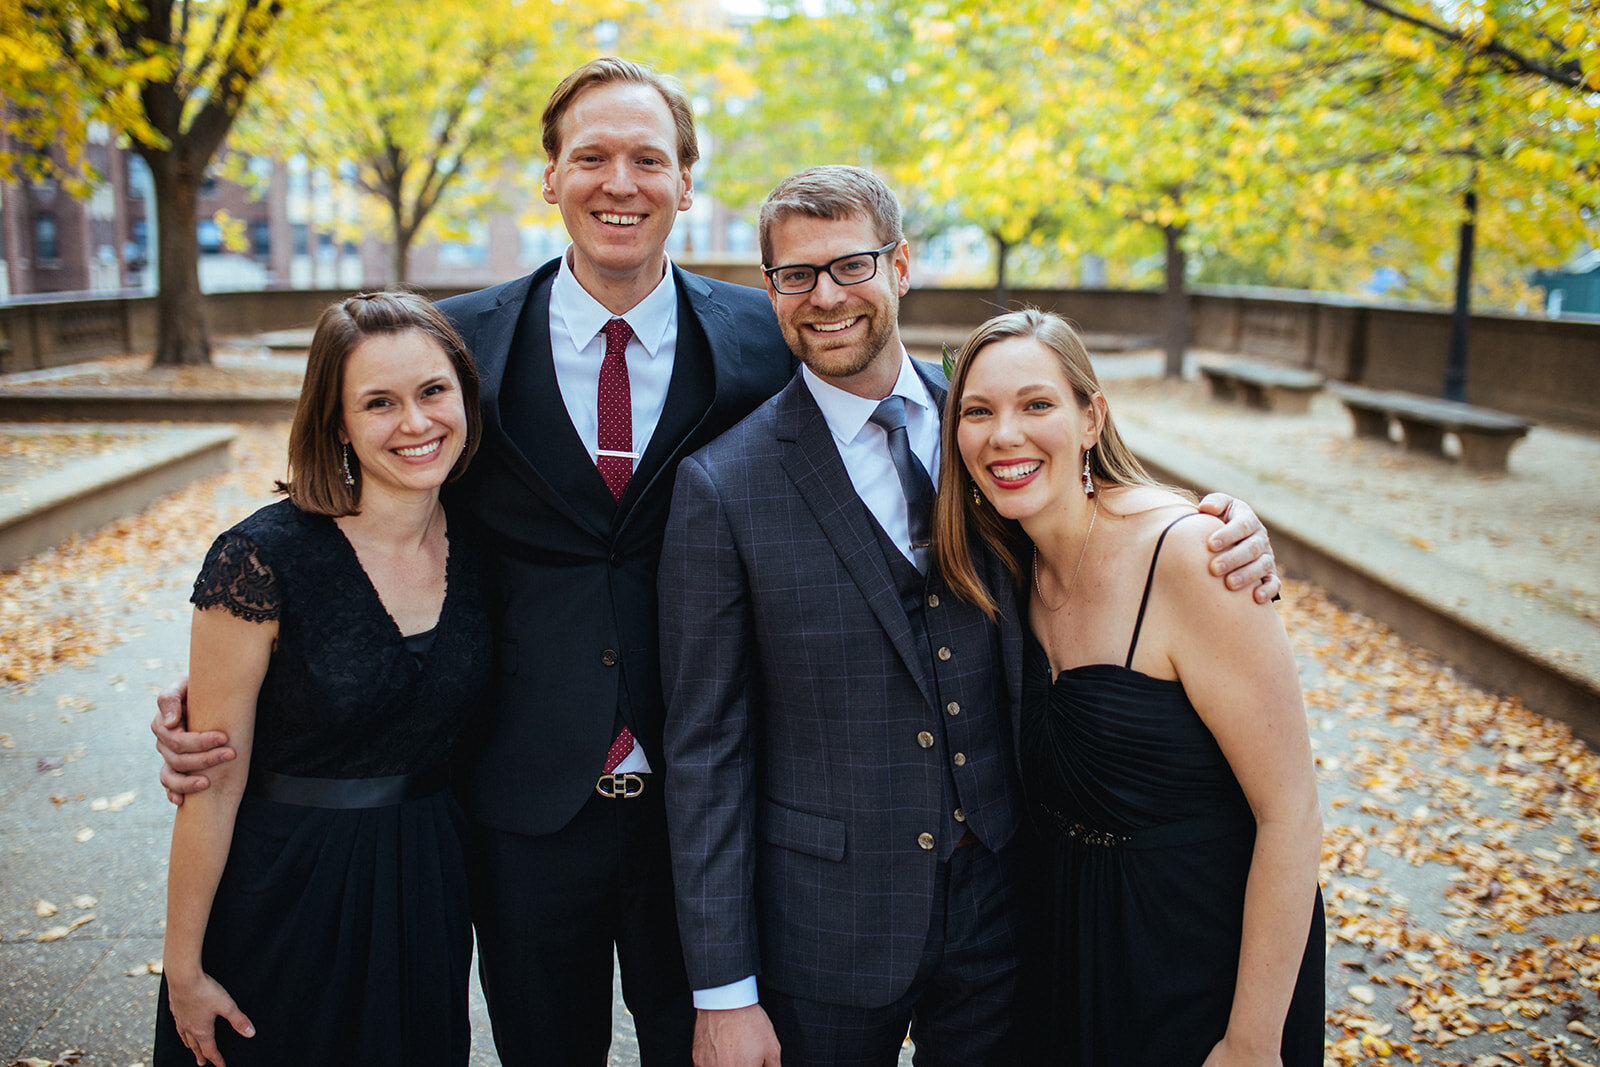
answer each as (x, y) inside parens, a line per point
(573, 576)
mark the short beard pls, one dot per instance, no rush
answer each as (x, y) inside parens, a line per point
(823, 361)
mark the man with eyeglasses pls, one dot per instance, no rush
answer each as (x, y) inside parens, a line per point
(841, 785)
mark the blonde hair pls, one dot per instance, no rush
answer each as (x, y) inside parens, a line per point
(959, 524)
(610, 70)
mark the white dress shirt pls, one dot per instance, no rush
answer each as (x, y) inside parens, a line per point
(864, 447)
(578, 346)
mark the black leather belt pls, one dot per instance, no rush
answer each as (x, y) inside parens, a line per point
(347, 792)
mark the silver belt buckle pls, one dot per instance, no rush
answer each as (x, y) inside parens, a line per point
(624, 786)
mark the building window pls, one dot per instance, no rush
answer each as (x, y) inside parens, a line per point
(302, 238)
(46, 245)
(210, 236)
(140, 183)
(260, 239)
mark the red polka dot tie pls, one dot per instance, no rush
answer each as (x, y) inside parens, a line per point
(615, 410)
(619, 750)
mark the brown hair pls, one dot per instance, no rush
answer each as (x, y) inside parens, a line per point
(609, 70)
(831, 192)
(957, 520)
(316, 477)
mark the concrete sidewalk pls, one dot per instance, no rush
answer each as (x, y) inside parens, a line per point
(84, 827)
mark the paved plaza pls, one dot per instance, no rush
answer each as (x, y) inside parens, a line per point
(1462, 846)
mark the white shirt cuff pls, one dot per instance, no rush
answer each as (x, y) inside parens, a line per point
(740, 994)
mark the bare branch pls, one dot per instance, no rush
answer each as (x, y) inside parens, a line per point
(1568, 74)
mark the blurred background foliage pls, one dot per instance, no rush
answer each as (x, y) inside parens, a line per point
(1333, 145)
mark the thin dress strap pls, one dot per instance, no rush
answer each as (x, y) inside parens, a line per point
(1144, 601)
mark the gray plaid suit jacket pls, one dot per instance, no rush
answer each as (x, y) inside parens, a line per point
(796, 690)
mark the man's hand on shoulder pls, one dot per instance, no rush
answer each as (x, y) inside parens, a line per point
(1241, 554)
(184, 754)
(735, 1037)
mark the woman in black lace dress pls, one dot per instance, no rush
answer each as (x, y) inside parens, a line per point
(1163, 742)
(316, 900)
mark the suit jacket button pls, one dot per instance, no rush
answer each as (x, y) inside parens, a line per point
(953, 708)
(960, 759)
(616, 559)
(925, 739)
(609, 658)
(925, 842)
(944, 653)
(933, 600)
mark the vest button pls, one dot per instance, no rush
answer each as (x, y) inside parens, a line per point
(609, 658)
(960, 759)
(925, 739)
(933, 600)
(953, 708)
(961, 816)
(943, 653)
(925, 842)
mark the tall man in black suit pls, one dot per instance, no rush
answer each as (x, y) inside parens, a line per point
(568, 852)
(569, 847)
(841, 785)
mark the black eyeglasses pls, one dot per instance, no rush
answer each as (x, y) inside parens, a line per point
(797, 278)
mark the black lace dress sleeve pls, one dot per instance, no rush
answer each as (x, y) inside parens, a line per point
(234, 577)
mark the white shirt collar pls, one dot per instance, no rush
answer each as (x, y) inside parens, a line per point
(847, 413)
(585, 316)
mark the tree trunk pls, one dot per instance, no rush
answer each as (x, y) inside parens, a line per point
(1002, 293)
(1455, 368)
(181, 337)
(400, 236)
(1175, 303)
(400, 251)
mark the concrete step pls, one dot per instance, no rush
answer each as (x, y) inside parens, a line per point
(45, 510)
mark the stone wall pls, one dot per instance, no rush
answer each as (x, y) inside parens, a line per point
(1547, 369)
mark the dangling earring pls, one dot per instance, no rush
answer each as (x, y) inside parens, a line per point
(977, 497)
(344, 462)
(1088, 478)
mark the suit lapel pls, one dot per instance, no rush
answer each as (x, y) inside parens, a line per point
(496, 334)
(811, 460)
(688, 396)
(708, 340)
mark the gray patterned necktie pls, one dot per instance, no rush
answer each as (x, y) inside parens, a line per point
(914, 480)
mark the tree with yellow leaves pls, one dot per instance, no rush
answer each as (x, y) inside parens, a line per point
(172, 75)
(431, 102)
(795, 90)
(1484, 115)
(1300, 143)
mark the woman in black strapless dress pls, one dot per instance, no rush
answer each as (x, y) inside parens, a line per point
(1163, 742)
(317, 896)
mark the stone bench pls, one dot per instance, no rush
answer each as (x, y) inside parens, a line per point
(1263, 385)
(1486, 436)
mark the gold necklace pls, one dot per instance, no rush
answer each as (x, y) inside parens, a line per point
(1081, 553)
